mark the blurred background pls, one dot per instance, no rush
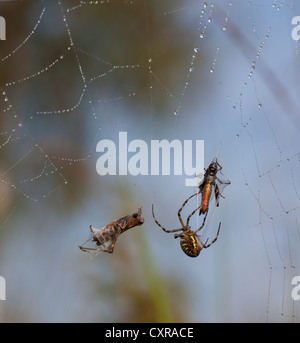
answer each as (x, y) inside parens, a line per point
(75, 72)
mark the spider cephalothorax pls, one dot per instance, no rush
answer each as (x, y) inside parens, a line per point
(190, 242)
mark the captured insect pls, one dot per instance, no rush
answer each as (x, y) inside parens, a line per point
(104, 239)
(211, 183)
(190, 242)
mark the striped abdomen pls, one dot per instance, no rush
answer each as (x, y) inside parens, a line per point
(190, 245)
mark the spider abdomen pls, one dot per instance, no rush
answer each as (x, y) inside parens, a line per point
(190, 245)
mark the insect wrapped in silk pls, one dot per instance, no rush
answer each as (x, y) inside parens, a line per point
(104, 239)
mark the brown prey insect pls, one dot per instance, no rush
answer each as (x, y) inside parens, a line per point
(190, 242)
(106, 237)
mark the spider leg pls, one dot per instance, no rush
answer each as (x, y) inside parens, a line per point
(203, 223)
(189, 217)
(213, 241)
(179, 211)
(175, 230)
(203, 244)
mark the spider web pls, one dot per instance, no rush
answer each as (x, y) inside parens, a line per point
(76, 72)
